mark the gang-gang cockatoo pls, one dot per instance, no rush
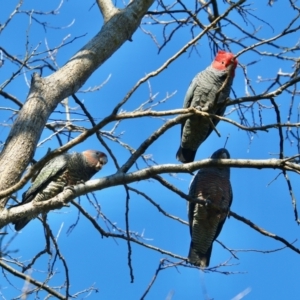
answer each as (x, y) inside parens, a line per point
(207, 92)
(64, 170)
(206, 221)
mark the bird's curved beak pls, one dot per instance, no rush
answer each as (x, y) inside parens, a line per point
(101, 162)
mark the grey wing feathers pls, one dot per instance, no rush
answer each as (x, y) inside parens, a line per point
(190, 93)
(51, 169)
(220, 226)
(187, 155)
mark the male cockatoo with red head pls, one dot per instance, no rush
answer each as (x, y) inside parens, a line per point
(207, 92)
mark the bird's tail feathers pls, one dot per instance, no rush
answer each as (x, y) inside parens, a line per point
(20, 224)
(185, 155)
(199, 259)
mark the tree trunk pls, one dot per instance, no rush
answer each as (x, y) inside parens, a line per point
(46, 93)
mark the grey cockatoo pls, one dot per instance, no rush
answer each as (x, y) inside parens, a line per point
(213, 185)
(208, 90)
(63, 170)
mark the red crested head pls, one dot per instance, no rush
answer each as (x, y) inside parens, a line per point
(223, 60)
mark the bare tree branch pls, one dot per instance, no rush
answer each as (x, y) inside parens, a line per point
(31, 280)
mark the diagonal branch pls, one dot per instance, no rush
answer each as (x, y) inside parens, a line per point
(176, 55)
(264, 232)
(31, 280)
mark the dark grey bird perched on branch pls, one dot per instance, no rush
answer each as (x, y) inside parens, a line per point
(63, 170)
(206, 221)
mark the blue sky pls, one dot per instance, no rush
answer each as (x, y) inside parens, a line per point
(102, 262)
